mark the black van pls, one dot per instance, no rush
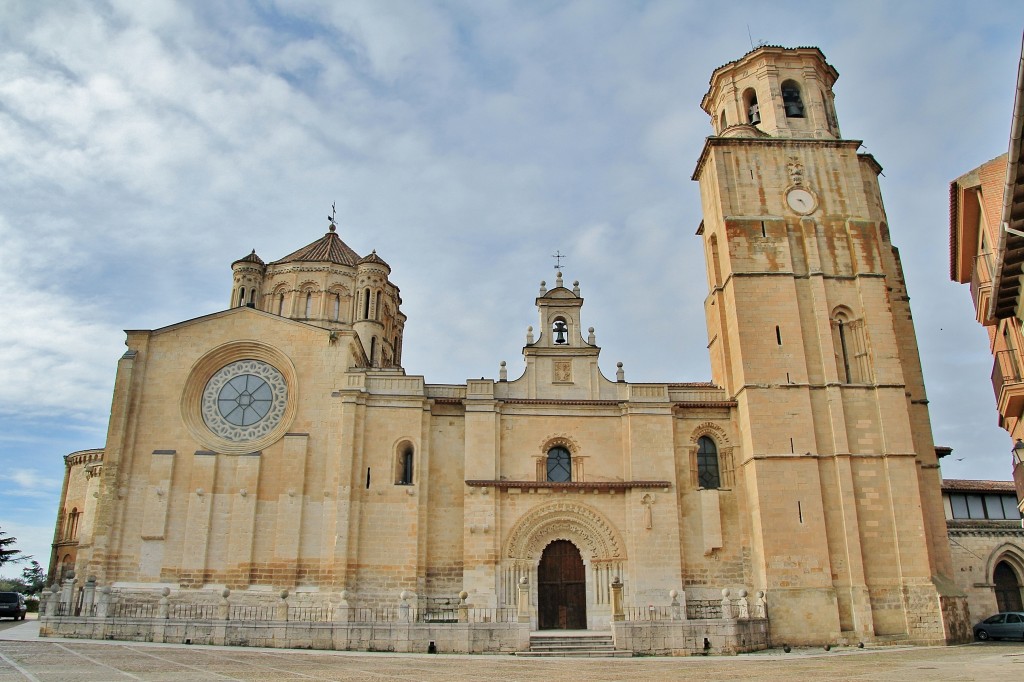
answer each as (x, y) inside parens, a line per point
(12, 605)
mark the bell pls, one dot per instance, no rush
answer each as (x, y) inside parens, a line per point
(560, 330)
(755, 114)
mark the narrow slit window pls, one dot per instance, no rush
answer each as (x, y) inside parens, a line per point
(845, 351)
(309, 304)
(241, 297)
(405, 466)
(778, 335)
(367, 478)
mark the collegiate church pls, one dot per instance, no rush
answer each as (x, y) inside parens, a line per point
(279, 444)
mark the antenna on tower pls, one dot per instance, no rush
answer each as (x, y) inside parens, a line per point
(751, 39)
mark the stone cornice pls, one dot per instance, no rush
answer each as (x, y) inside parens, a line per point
(569, 485)
(83, 457)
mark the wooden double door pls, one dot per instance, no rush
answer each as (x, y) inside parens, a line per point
(561, 588)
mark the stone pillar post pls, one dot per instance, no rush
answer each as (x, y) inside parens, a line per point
(674, 603)
(281, 610)
(463, 607)
(52, 599)
(403, 606)
(223, 608)
(742, 605)
(88, 594)
(617, 612)
(103, 602)
(340, 614)
(727, 605)
(163, 608)
(523, 605)
(66, 596)
(760, 606)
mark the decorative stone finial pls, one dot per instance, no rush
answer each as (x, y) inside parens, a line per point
(529, 336)
(543, 287)
(591, 339)
(165, 592)
(558, 279)
(503, 372)
(620, 374)
(576, 287)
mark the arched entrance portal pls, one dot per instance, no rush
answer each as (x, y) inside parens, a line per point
(561, 588)
(1007, 587)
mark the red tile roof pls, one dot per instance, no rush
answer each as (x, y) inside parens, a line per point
(328, 248)
(965, 485)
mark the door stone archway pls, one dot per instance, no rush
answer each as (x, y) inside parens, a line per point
(561, 588)
(1007, 588)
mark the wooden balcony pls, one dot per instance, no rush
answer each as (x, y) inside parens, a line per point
(981, 288)
(1008, 384)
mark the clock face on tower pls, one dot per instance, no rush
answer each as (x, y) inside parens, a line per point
(801, 200)
(244, 400)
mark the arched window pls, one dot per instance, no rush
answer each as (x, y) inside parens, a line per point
(373, 350)
(559, 465)
(309, 304)
(252, 297)
(376, 308)
(336, 307)
(241, 297)
(280, 304)
(721, 122)
(707, 463)
(750, 106)
(791, 100)
(405, 465)
(849, 343)
(366, 304)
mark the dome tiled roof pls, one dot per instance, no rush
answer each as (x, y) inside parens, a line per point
(374, 258)
(328, 248)
(251, 258)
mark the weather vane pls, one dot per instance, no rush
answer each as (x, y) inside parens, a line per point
(334, 225)
(558, 256)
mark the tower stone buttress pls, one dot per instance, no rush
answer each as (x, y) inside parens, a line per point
(810, 333)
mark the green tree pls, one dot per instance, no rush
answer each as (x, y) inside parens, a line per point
(34, 576)
(13, 585)
(8, 553)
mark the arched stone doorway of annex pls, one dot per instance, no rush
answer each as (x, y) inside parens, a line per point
(582, 553)
(1006, 575)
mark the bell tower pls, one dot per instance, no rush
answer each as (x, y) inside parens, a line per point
(810, 333)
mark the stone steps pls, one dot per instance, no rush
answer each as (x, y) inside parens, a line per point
(575, 644)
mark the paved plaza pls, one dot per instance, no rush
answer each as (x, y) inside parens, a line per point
(24, 656)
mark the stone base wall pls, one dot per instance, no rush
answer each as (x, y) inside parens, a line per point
(398, 637)
(692, 637)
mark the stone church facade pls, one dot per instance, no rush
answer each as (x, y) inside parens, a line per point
(280, 445)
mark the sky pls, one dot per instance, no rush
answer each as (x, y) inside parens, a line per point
(147, 144)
